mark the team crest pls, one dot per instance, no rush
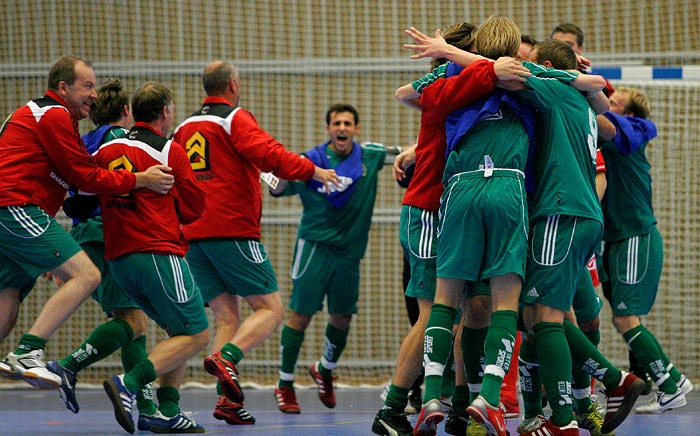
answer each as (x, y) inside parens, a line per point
(197, 148)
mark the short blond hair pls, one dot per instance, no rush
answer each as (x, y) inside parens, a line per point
(637, 103)
(497, 36)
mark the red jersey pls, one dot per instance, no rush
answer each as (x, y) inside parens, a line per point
(144, 221)
(227, 150)
(437, 101)
(41, 155)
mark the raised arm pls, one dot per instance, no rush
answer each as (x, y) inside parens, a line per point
(437, 47)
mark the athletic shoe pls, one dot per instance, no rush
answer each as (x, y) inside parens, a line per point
(476, 429)
(31, 368)
(531, 424)
(592, 420)
(493, 418)
(325, 386)
(232, 413)
(549, 429)
(227, 375)
(620, 401)
(145, 422)
(456, 423)
(287, 400)
(430, 416)
(512, 408)
(183, 422)
(663, 402)
(684, 385)
(122, 401)
(387, 424)
(415, 401)
(67, 388)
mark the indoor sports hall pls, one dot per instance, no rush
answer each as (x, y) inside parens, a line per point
(297, 57)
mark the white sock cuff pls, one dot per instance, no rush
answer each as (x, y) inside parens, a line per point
(285, 376)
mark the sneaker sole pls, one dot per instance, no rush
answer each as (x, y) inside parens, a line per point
(483, 420)
(223, 417)
(41, 382)
(121, 415)
(429, 425)
(232, 390)
(168, 430)
(635, 390)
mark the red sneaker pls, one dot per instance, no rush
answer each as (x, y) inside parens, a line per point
(287, 400)
(325, 386)
(232, 413)
(620, 401)
(492, 418)
(549, 429)
(430, 416)
(227, 374)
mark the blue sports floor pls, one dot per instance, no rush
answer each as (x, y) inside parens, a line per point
(34, 412)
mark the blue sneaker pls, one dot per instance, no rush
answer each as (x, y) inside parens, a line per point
(180, 423)
(145, 422)
(67, 388)
(122, 401)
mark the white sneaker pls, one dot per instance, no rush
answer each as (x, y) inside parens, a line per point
(31, 368)
(663, 402)
(684, 385)
(531, 424)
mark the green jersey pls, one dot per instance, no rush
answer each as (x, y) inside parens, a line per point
(627, 206)
(500, 139)
(565, 147)
(345, 228)
(438, 72)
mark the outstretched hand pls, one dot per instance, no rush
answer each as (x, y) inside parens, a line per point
(425, 45)
(508, 68)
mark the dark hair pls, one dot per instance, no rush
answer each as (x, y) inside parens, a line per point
(460, 35)
(63, 70)
(109, 106)
(559, 53)
(216, 77)
(149, 101)
(342, 107)
(570, 28)
(527, 39)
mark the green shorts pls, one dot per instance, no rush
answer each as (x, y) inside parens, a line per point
(238, 267)
(560, 246)
(108, 293)
(164, 289)
(483, 226)
(418, 235)
(634, 268)
(319, 270)
(31, 243)
(587, 304)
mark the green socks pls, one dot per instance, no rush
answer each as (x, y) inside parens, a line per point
(29, 343)
(437, 347)
(498, 347)
(530, 380)
(651, 357)
(555, 369)
(140, 375)
(168, 401)
(396, 400)
(290, 343)
(335, 344)
(587, 357)
(232, 353)
(102, 342)
(133, 353)
(473, 354)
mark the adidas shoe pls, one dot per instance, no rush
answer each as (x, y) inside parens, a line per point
(456, 423)
(287, 400)
(387, 424)
(227, 375)
(493, 418)
(232, 413)
(684, 385)
(663, 402)
(145, 422)
(430, 416)
(549, 429)
(31, 368)
(531, 424)
(325, 386)
(122, 401)
(67, 388)
(592, 420)
(183, 422)
(620, 401)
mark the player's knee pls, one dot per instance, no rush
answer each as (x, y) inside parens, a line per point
(200, 340)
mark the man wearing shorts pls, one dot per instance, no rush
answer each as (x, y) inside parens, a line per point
(227, 150)
(41, 155)
(331, 240)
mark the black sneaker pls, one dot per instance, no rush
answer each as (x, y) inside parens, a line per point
(456, 423)
(386, 424)
(67, 388)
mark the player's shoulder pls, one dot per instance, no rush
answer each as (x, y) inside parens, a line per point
(373, 147)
